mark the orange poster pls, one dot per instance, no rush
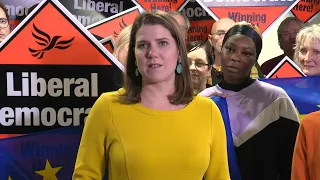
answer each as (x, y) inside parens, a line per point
(285, 69)
(113, 25)
(261, 13)
(53, 70)
(200, 21)
(306, 9)
(167, 5)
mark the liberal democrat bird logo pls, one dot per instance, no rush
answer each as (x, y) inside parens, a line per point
(122, 26)
(43, 39)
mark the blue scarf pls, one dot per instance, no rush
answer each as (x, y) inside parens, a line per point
(232, 157)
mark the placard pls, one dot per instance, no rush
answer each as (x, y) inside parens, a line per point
(200, 21)
(261, 13)
(306, 9)
(285, 69)
(56, 76)
(113, 25)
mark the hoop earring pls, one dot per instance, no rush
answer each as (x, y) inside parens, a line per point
(179, 66)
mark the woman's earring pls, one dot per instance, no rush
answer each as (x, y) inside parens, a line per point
(179, 66)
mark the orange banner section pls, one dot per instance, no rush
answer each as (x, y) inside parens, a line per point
(306, 9)
(169, 5)
(199, 30)
(114, 25)
(285, 69)
(49, 37)
(261, 16)
(3, 136)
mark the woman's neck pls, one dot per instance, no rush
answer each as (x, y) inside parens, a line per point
(236, 87)
(155, 96)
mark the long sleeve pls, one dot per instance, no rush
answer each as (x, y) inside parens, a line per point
(299, 162)
(218, 167)
(287, 132)
(288, 125)
(91, 160)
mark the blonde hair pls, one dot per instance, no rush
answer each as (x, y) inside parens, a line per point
(122, 41)
(309, 33)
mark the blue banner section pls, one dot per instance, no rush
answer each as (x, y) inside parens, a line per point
(304, 91)
(45, 155)
(52, 154)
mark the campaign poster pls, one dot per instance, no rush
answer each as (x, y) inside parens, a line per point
(200, 21)
(306, 9)
(163, 5)
(92, 11)
(286, 69)
(55, 76)
(261, 13)
(85, 11)
(112, 26)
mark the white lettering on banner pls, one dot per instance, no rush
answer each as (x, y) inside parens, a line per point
(37, 86)
(194, 12)
(99, 6)
(17, 10)
(88, 20)
(25, 116)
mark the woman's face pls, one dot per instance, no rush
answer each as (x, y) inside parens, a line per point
(238, 56)
(156, 54)
(199, 68)
(4, 32)
(309, 57)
